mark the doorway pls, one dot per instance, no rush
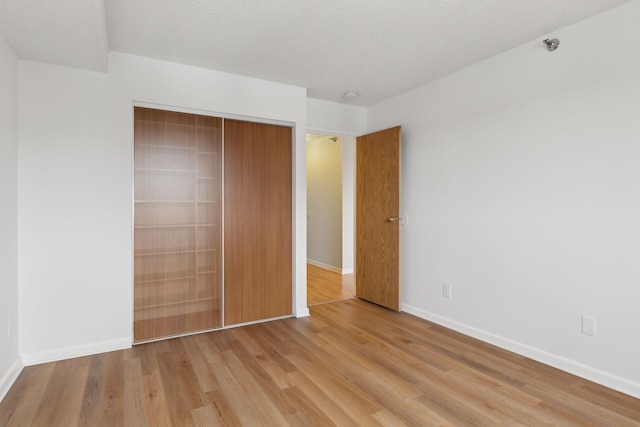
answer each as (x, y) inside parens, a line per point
(330, 218)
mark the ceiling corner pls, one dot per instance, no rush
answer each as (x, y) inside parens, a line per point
(71, 33)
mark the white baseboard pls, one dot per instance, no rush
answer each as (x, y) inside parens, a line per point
(76, 351)
(10, 377)
(606, 379)
(347, 271)
(325, 266)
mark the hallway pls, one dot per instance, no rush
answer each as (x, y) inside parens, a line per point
(325, 286)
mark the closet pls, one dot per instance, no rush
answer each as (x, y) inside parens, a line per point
(212, 222)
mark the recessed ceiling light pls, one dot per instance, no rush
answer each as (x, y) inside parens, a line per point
(349, 95)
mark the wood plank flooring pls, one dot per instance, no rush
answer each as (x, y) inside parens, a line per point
(350, 363)
(325, 286)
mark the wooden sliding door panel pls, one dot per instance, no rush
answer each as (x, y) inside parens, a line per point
(258, 221)
(177, 236)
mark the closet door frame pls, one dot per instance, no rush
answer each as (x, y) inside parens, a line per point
(222, 116)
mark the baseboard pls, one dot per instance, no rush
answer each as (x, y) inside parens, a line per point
(347, 271)
(10, 377)
(606, 379)
(76, 351)
(325, 266)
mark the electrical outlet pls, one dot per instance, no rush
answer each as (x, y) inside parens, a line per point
(446, 290)
(589, 326)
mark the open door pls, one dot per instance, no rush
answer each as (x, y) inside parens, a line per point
(377, 217)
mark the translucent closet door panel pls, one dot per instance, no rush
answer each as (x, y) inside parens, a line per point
(177, 236)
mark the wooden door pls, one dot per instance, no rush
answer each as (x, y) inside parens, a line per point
(258, 230)
(177, 223)
(377, 217)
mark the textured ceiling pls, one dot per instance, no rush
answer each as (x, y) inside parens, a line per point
(63, 32)
(378, 48)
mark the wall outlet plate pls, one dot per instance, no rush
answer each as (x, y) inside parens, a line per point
(446, 290)
(589, 326)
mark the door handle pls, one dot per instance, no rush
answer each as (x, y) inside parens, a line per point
(393, 219)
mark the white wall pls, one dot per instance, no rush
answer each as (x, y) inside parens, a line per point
(521, 175)
(324, 202)
(348, 203)
(76, 188)
(10, 364)
(332, 118)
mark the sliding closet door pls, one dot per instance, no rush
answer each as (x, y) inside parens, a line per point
(258, 221)
(177, 237)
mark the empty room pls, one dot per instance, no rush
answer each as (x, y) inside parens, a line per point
(160, 219)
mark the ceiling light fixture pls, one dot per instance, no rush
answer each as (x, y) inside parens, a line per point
(349, 95)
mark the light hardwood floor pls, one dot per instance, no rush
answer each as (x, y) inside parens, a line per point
(350, 363)
(325, 286)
